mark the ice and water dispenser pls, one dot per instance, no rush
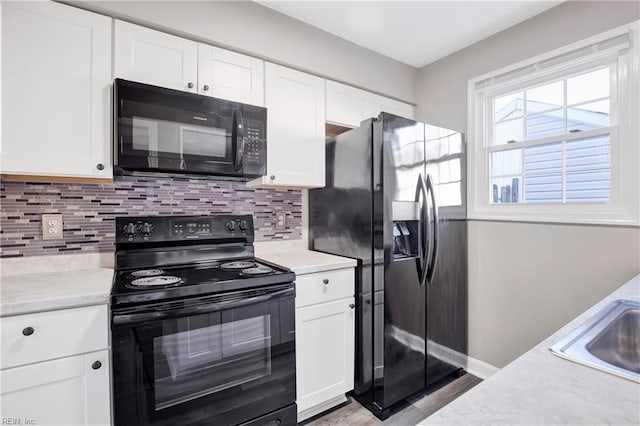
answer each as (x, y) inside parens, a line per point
(406, 223)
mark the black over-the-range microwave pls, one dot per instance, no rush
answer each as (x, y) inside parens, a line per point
(169, 131)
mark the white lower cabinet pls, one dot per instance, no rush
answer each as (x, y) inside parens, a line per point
(325, 340)
(55, 367)
(67, 391)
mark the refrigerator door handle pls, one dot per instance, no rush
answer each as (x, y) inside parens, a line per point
(431, 267)
(423, 230)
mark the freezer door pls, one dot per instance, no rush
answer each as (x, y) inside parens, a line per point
(447, 264)
(399, 254)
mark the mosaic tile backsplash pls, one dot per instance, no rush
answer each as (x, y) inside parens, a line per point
(89, 210)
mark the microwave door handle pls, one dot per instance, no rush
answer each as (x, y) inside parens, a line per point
(238, 127)
(202, 308)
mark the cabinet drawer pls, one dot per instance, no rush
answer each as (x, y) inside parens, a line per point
(324, 287)
(47, 335)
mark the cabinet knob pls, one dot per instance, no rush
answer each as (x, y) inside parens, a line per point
(352, 305)
(100, 166)
(325, 281)
(273, 177)
(190, 85)
(96, 365)
(205, 87)
(28, 331)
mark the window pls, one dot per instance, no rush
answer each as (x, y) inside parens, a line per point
(554, 138)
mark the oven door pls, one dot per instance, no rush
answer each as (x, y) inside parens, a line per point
(213, 360)
(166, 130)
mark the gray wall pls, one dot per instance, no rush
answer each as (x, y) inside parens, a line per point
(526, 279)
(259, 31)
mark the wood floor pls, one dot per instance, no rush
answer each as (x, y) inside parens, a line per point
(413, 412)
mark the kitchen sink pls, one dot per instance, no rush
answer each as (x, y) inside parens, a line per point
(608, 341)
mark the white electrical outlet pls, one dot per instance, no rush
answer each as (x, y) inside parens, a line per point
(281, 220)
(51, 226)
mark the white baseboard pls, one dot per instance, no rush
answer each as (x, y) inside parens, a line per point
(480, 368)
(473, 366)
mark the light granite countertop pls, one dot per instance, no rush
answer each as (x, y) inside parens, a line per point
(540, 388)
(37, 292)
(306, 261)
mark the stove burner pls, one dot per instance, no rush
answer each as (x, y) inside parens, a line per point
(233, 266)
(257, 270)
(147, 273)
(157, 281)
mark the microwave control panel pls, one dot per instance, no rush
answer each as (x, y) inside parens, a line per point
(254, 159)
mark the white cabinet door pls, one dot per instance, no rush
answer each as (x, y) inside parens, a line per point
(56, 90)
(381, 104)
(230, 75)
(347, 105)
(66, 391)
(324, 352)
(153, 57)
(295, 129)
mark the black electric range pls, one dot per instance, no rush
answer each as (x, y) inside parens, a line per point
(202, 331)
(162, 283)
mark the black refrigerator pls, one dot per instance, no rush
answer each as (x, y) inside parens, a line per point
(395, 200)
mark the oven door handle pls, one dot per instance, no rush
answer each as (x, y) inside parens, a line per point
(199, 308)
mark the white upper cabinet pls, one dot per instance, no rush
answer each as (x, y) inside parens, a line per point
(230, 75)
(153, 57)
(381, 104)
(295, 104)
(348, 106)
(56, 91)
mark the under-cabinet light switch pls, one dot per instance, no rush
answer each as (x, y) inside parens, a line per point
(51, 226)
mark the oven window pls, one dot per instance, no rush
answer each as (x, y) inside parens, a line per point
(203, 354)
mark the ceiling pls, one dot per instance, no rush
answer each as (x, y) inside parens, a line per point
(413, 32)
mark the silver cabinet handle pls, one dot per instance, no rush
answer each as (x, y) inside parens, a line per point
(325, 281)
(205, 87)
(190, 85)
(100, 166)
(273, 177)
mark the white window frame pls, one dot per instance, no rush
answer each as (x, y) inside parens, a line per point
(623, 207)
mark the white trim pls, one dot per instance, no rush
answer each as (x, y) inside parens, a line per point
(471, 365)
(480, 368)
(624, 206)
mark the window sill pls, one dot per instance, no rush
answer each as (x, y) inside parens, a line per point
(569, 214)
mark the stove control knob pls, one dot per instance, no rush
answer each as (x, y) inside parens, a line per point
(231, 226)
(129, 230)
(243, 225)
(146, 229)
